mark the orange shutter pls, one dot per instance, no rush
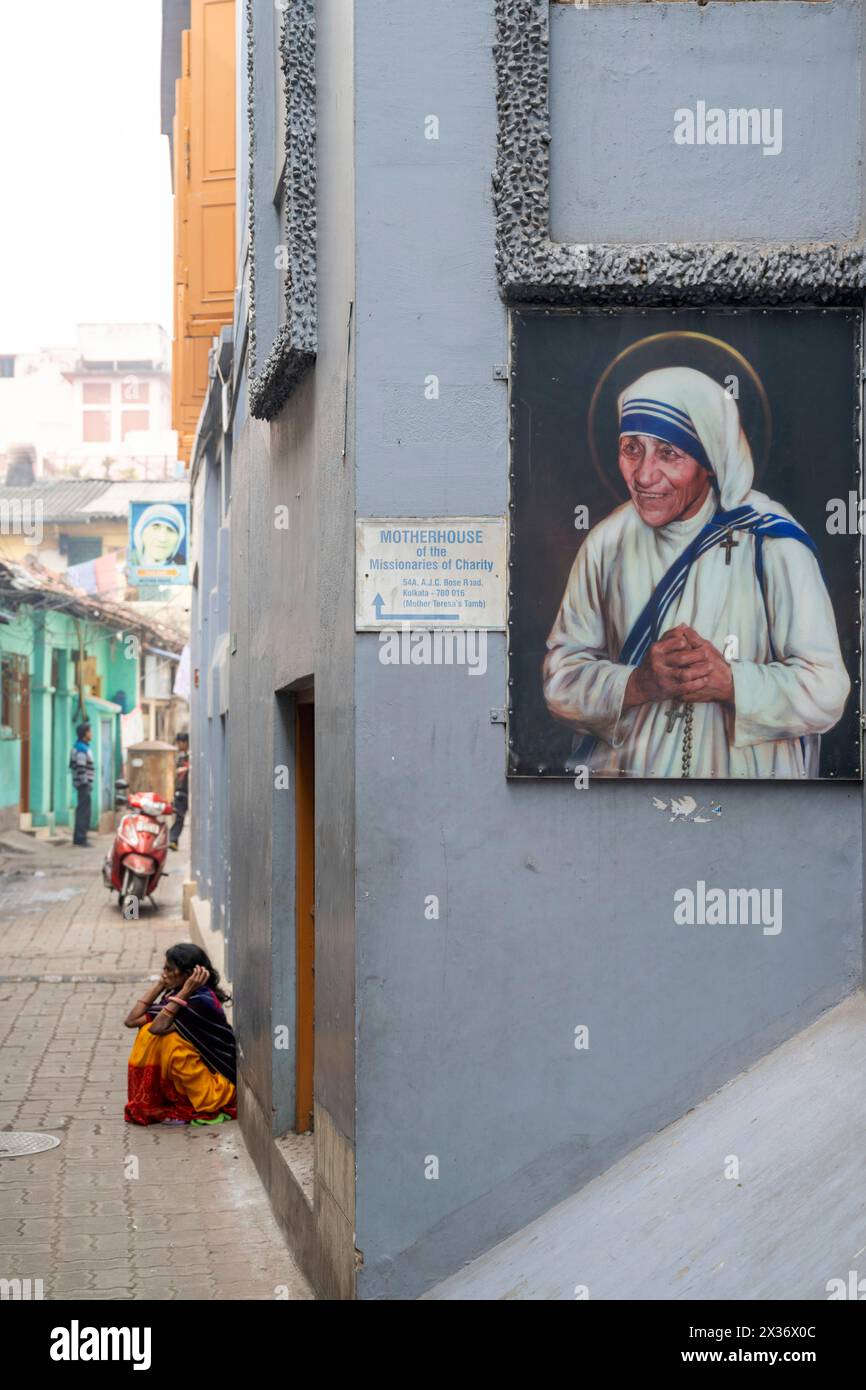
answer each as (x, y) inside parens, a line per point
(204, 204)
(212, 166)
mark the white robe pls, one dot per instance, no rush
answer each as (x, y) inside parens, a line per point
(799, 695)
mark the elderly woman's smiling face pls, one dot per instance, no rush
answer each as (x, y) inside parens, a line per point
(665, 484)
(158, 542)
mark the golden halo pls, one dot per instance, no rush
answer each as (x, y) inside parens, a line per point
(755, 413)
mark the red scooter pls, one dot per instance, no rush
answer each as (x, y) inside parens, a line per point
(137, 860)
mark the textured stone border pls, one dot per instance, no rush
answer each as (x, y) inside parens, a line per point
(532, 268)
(293, 350)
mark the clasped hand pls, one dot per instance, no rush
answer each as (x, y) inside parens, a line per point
(682, 665)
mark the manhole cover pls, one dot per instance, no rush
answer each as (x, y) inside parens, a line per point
(16, 1142)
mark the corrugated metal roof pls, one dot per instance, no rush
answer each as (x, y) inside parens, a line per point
(61, 498)
(115, 502)
(83, 499)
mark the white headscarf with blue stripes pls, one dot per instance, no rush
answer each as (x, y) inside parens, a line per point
(691, 411)
(164, 512)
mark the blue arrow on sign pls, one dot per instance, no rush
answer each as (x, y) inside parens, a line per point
(379, 604)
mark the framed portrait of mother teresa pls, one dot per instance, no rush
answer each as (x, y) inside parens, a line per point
(685, 544)
(158, 543)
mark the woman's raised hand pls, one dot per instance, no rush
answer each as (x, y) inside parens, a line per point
(198, 976)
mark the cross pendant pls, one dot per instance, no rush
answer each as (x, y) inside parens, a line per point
(676, 711)
(728, 544)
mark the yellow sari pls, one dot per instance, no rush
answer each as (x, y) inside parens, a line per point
(168, 1080)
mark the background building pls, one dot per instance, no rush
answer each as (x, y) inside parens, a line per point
(408, 178)
(100, 409)
(72, 522)
(84, 432)
(66, 657)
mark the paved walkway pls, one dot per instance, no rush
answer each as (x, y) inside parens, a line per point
(117, 1211)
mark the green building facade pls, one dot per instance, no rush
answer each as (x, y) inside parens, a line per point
(58, 668)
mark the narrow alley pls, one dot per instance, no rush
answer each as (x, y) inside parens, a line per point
(115, 1211)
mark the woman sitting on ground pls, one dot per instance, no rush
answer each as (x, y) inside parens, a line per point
(182, 1067)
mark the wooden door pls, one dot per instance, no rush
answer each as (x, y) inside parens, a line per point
(23, 683)
(305, 910)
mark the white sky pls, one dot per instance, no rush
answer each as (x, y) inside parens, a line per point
(85, 184)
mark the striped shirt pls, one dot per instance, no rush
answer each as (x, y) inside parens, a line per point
(81, 765)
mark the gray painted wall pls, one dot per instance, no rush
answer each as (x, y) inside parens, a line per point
(210, 783)
(455, 1038)
(292, 620)
(619, 73)
(556, 905)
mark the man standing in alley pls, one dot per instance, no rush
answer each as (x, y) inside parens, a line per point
(81, 767)
(181, 788)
